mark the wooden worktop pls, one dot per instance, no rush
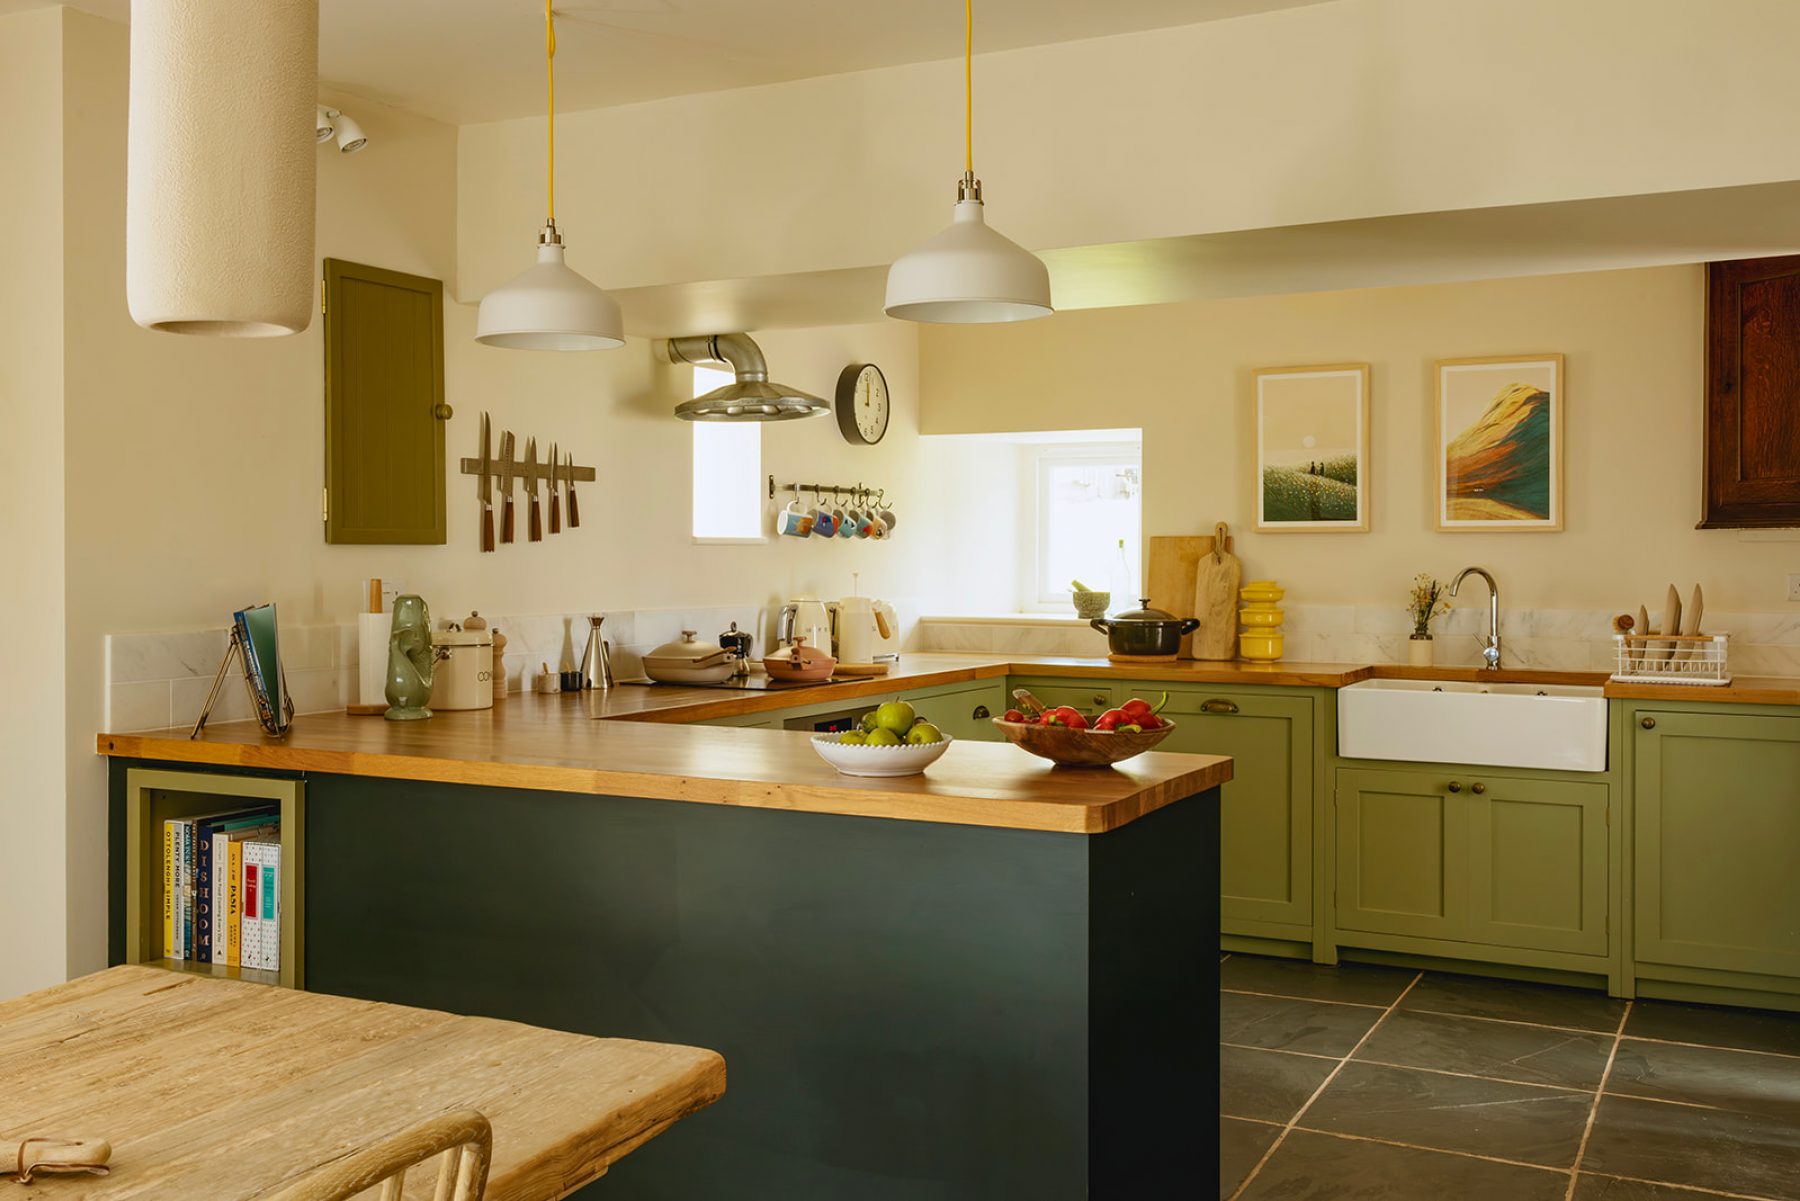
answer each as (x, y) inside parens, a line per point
(550, 743)
(225, 1090)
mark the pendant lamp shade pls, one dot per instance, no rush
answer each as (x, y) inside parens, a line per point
(969, 273)
(220, 166)
(549, 307)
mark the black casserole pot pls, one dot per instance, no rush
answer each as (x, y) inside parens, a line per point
(1145, 631)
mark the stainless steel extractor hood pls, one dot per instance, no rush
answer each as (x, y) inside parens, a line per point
(750, 397)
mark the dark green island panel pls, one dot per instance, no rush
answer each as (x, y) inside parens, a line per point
(907, 1009)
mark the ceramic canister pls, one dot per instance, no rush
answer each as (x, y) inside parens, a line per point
(465, 675)
(1261, 639)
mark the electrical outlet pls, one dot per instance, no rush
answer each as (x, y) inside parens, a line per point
(1794, 587)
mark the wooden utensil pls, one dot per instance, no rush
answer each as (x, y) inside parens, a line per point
(1169, 581)
(1671, 623)
(1215, 599)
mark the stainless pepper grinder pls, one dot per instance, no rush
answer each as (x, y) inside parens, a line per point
(596, 660)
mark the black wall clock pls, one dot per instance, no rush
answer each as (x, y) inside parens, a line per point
(862, 404)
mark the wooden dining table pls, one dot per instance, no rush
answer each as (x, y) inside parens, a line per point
(222, 1089)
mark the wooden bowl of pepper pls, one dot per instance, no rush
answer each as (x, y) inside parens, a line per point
(1066, 737)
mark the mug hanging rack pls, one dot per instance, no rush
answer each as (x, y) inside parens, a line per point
(859, 493)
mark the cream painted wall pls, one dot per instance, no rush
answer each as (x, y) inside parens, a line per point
(32, 927)
(1351, 109)
(196, 462)
(1633, 346)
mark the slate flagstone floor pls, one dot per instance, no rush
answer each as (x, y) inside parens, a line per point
(1363, 1083)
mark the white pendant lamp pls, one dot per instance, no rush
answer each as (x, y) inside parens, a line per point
(550, 306)
(220, 166)
(968, 273)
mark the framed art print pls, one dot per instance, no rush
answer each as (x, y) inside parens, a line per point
(1312, 449)
(1499, 443)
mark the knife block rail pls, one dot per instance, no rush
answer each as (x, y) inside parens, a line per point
(528, 475)
(581, 475)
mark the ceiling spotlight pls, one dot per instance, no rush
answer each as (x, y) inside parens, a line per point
(331, 123)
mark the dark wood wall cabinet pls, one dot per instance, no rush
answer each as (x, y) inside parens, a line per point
(1752, 464)
(384, 405)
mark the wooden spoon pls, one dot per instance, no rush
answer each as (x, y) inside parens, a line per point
(46, 1155)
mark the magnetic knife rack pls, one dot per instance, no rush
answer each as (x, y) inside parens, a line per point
(528, 474)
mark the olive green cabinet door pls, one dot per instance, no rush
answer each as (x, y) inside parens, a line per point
(1266, 811)
(1090, 698)
(965, 713)
(384, 396)
(1717, 841)
(1402, 854)
(1537, 863)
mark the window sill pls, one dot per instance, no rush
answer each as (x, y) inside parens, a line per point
(756, 541)
(1007, 619)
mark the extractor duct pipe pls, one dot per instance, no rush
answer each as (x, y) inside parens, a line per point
(750, 397)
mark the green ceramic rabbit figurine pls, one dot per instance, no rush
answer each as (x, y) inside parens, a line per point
(411, 661)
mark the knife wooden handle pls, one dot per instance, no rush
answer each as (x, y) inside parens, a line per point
(574, 509)
(537, 520)
(506, 521)
(555, 513)
(487, 527)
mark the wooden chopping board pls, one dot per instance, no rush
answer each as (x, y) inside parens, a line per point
(1170, 576)
(1216, 581)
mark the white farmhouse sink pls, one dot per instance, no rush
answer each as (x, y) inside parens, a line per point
(1559, 726)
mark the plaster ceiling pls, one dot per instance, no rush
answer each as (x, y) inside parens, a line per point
(464, 61)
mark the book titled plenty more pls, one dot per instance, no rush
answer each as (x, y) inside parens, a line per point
(222, 888)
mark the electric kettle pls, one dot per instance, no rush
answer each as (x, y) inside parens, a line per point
(865, 629)
(804, 617)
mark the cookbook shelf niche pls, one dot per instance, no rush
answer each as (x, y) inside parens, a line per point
(154, 796)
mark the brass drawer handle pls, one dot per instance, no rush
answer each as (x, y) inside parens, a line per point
(980, 712)
(1455, 787)
(1649, 723)
(1478, 788)
(1218, 705)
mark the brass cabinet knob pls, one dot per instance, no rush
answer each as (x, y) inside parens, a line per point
(442, 412)
(1103, 700)
(1649, 723)
(1455, 787)
(980, 712)
(1478, 788)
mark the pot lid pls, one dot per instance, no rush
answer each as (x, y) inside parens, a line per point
(799, 654)
(689, 652)
(1145, 614)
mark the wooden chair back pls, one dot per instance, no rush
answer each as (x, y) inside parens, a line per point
(462, 1137)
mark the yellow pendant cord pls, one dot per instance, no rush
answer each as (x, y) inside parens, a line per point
(969, 86)
(550, 72)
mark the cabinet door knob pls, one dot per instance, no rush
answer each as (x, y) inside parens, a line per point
(1218, 704)
(442, 412)
(980, 712)
(1455, 787)
(1478, 788)
(1649, 723)
(1103, 700)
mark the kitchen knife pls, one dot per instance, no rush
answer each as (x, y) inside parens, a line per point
(575, 509)
(555, 492)
(536, 528)
(484, 486)
(507, 475)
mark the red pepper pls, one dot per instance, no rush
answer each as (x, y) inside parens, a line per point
(1138, 707)
(1072, 718)
(1111, 719)
(1012, 715)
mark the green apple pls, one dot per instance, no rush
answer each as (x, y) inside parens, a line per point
(853, 738)
(897, 716)
(883, 737)
(868, 721)
(923, 733)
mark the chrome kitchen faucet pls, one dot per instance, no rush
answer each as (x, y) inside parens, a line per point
(1491, 652)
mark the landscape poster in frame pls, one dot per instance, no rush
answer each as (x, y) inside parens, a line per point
(1499, 444)
(1312, 449)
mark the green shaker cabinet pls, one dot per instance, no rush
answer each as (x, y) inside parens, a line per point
(1717, 845)
(1476, 857)
(1090, 697)
(1266, 811)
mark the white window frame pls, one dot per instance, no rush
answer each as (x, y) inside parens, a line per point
(705, 380)
(1032, 598)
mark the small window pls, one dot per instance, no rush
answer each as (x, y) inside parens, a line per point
(1088, 522)
(727, 472)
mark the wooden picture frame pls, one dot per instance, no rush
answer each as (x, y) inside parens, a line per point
(1499, 444)
(1312, 449)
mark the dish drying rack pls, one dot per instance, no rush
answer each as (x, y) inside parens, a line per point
(1672, 659)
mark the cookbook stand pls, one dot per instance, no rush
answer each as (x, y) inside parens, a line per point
(236, 651)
